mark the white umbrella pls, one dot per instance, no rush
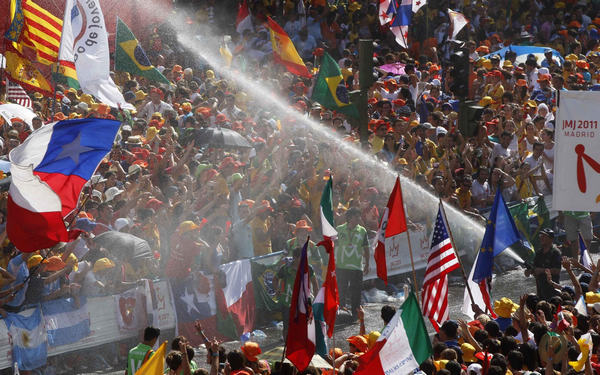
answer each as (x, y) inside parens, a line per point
(10, 110)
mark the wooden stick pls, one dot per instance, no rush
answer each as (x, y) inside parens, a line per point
(462, 268)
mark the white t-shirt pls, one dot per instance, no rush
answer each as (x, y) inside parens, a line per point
(480, 191)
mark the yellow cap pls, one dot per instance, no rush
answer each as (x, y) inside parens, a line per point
(103, 264)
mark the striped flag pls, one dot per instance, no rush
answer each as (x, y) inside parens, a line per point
(402, 16)
(442, 260)
(284, 52)
(35, 28)
(16, 94)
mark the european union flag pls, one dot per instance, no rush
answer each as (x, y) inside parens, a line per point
(500, 233)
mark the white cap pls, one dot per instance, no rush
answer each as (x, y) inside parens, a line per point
(122, 222)
(440, 130)
(111, 193)
(475, 367)
(436, 82)
(97, 194)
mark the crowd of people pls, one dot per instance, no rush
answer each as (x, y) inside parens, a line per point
(199, 205)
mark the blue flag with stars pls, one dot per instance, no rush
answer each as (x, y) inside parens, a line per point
(500, 233)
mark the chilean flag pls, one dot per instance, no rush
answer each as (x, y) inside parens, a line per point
(48, 172)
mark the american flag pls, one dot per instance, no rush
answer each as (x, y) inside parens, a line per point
(16, 94)
(442, 260)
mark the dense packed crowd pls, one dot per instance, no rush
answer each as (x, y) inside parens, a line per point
(199, 204)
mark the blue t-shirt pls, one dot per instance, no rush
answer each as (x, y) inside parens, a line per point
(18, 268)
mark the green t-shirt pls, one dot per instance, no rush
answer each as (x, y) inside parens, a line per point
(136, 357)
(287, 274)
(349, 247)
(577, 214)
(316, 255)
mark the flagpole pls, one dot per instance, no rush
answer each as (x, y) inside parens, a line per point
(412, 262)
(462, 268)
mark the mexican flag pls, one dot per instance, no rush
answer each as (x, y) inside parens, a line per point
(402, 346)
(237, 307)
(330, 90)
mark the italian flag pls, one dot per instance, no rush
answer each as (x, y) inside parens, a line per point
(236, 310)
(402, 346)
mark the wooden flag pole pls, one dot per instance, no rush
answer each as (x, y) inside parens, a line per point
(412, 261)
(462, 268)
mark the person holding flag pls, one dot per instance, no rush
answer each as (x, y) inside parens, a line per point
(547, 258)
(351, 248)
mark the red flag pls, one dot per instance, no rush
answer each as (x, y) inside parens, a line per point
(393, 222)
(243, 21)
(300, 341)
(332, 297)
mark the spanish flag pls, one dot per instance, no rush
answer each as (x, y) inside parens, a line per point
(22, 71)
(33, 27)
(284, 51)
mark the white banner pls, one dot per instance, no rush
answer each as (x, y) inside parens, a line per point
(397, 255)
(577, 155)
(85, 43)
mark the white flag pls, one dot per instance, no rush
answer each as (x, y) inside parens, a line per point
(457, 22)
(475, 290)
(84, 42)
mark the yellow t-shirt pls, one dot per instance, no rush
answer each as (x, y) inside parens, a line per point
(376, 144)
(261, 227)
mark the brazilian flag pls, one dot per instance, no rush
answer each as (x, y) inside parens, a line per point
(130, 56)
(330, 91)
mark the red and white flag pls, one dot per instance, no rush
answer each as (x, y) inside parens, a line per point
(442, 260)
(457, 22)
(243, 21)
(393, 223)
(384, 17)
(16, 94)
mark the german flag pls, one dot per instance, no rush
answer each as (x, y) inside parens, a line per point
(33, 27)
(284, 51)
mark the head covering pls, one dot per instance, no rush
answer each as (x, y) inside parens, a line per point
(372, 339)
(121, 223)
(474, 367)
(504, 307)
(187, 226)
(54, 263)
(103, 264)
(34, 260)
(302, 224)
(468, 352)
(251, 350)
(112, 192)
(359, 342)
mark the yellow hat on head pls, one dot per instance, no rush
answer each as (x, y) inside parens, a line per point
(485, 101)
(140, 95)
(187, 226)
(151, 133)
(591, 297)
(72, 260)
(504, 307)
(37, 95)
(372, 339)
(571, 57)
(210, 74)
(34, 260)
(103, 264)
(87, 98)
(468, 352)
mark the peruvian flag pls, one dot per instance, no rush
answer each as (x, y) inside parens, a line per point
(243, 21)
(393, 223)
(300, 341)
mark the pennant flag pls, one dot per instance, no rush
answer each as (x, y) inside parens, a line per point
(402, 16)
(130, 56)
(457, 22)
(28, 339)
(84, 43)
(384, 17)
(34, 32)
(300, 341)
(417, 4)
(402, 346)
(239, 295)
(393, 223)
(480, 293)
(284, 51)
(16, 94)
(243, 21)
(442, 260)
(48, 171)
(330, 90)
(500, 233)
(65, 322)
(584, 255)
(156, 364)
(25, 73)
(66, 74)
